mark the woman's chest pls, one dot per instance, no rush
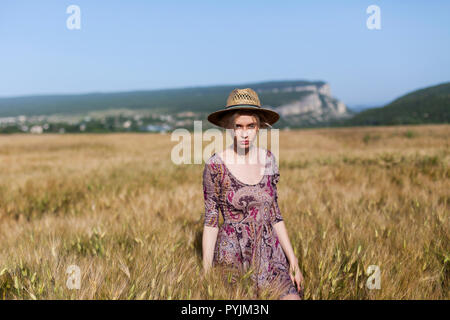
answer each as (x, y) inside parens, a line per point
(241, 196)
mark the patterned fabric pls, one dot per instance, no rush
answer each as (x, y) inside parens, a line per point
(247, 238)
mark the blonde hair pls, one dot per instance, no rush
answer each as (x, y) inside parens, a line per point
(228, 120)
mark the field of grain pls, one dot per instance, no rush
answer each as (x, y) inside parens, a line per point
(117, 207)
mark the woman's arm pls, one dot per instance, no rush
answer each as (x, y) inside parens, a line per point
(208, 244)
(294, 269)
(211, 221)
(277, 219)
(280, 229)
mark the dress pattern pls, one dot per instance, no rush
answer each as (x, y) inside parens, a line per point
(247, 238)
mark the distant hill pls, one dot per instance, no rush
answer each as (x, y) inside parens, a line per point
(428, 105)
(299, 102)
(361, 107)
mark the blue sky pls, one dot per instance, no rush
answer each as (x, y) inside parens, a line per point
(135, 45)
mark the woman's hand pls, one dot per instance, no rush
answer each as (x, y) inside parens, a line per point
(206, 270)
(296, 275)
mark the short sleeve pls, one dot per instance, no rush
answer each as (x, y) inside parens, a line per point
(275, 177)
(211, 194)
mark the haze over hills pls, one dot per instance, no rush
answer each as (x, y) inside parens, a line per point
(360, 107)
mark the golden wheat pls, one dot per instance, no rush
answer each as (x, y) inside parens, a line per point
(116, 206)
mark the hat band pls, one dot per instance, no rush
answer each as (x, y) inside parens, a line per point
(242, 105)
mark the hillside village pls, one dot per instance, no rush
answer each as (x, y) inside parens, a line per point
(108, 122)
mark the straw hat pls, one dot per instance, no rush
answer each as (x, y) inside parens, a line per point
(243, 99)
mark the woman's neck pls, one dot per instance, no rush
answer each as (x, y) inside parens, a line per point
(246, 155)
(242, 152)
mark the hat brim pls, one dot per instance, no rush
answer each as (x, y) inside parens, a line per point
(270, 115)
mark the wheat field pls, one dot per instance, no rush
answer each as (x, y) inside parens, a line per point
(116, 206)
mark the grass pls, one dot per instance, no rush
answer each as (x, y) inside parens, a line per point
(117, 207)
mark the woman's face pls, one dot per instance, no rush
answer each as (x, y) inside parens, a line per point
(245, 130)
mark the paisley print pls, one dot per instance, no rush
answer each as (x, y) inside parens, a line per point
(247, 237)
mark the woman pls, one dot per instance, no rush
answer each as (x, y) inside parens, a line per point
(240, 181)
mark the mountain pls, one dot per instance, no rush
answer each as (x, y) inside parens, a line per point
(299, 102)
(316, 105)
(427, 105)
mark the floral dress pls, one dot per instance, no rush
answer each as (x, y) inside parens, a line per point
(247, 238)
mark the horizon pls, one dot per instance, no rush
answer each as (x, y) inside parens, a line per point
(143, 46)
(356, 106)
